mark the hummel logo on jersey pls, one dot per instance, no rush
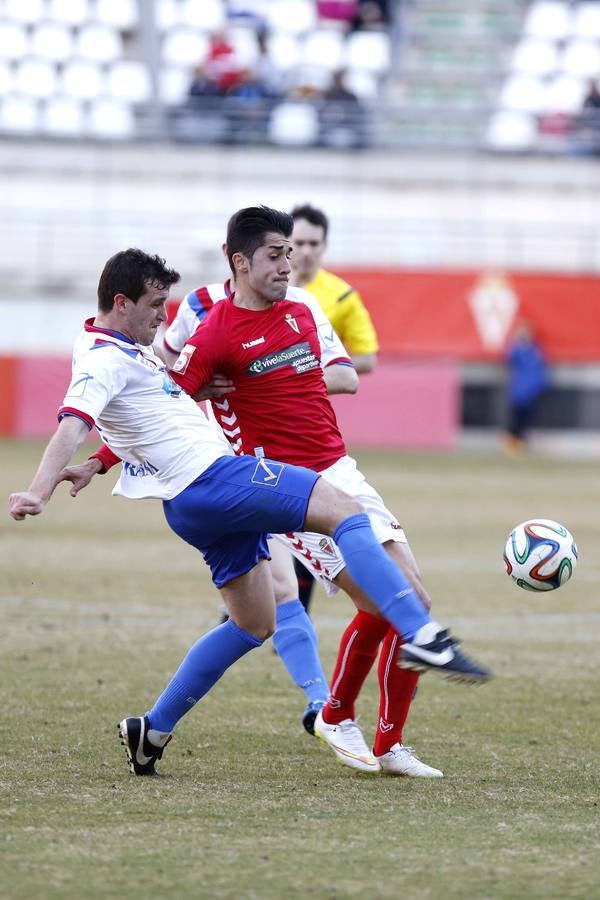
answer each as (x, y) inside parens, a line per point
(289, 318)
(246, 346)
(385, 726)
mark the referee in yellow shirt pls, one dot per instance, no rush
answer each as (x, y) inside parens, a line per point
(342, 305)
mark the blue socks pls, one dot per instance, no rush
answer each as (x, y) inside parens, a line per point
(379, 577)
(202, 667)
(296, 643)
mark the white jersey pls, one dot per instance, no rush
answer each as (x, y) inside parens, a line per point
(160, 433)
(196, 305)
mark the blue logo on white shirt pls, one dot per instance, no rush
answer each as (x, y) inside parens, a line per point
(140, 471)
(169, 386)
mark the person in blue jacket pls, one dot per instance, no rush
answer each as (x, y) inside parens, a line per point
(527, 380)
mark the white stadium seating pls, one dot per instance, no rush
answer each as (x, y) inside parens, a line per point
(294, 124)
(70, 12)
(78, 67)
(52, 40)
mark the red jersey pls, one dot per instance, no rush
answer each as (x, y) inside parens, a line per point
(280, 407)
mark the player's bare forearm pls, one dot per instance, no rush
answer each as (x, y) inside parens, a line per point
(69, 435)
(340, 379)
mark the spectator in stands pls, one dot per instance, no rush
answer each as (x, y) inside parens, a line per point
(527, 381)
(248, 108)
(265, 70)
(342, 116)
(371, 16)
(202, 84)
(588, 124)
(222, 65)
(342, 11)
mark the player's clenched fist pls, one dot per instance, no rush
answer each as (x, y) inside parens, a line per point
(24, 504)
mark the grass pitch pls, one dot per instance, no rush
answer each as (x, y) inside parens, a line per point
(99, 601)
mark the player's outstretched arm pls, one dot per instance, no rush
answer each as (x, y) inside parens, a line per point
(69, 435)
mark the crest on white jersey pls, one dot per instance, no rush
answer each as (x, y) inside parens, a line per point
(289, 318)
(183, 360)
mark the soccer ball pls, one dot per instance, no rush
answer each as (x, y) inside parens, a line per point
(540, 555)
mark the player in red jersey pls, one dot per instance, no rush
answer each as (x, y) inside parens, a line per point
(280, 409)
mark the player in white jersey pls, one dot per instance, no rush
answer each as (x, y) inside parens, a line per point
(220, 503)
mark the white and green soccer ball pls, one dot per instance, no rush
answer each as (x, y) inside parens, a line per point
(540, 555)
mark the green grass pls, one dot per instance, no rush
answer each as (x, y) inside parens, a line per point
(99, 601)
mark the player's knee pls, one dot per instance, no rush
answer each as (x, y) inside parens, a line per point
(265, 632)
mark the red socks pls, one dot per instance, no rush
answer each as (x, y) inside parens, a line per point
(396, 691)
(357, 652)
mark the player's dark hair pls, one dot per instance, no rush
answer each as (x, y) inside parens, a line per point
(313, 215)
(247, 228)
(129, 272)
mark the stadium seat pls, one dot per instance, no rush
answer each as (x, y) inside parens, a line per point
(99, 43)
(284, 51)
(548, 19)
(18, 115)
(294, 125)
(27, 11)
(511, 131)
(70, 12)
(535, 57)
(362, 83)
(82, 80)
(523, 93)
(166, 14)
(174, 83)
(581, 59)
(110, 120)
(586, 21)
(35, 78)
(368, 50)
(6, 79)
(129, 80)
(291, 16)
(323, 47)
(564, 94)
(205, 15)
(122, 15)
(184, 47)
(14, 41)
(52, 40)
(62, 116)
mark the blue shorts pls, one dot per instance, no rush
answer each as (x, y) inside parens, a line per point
(229, 510)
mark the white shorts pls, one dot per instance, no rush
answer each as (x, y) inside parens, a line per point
(319, 552)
